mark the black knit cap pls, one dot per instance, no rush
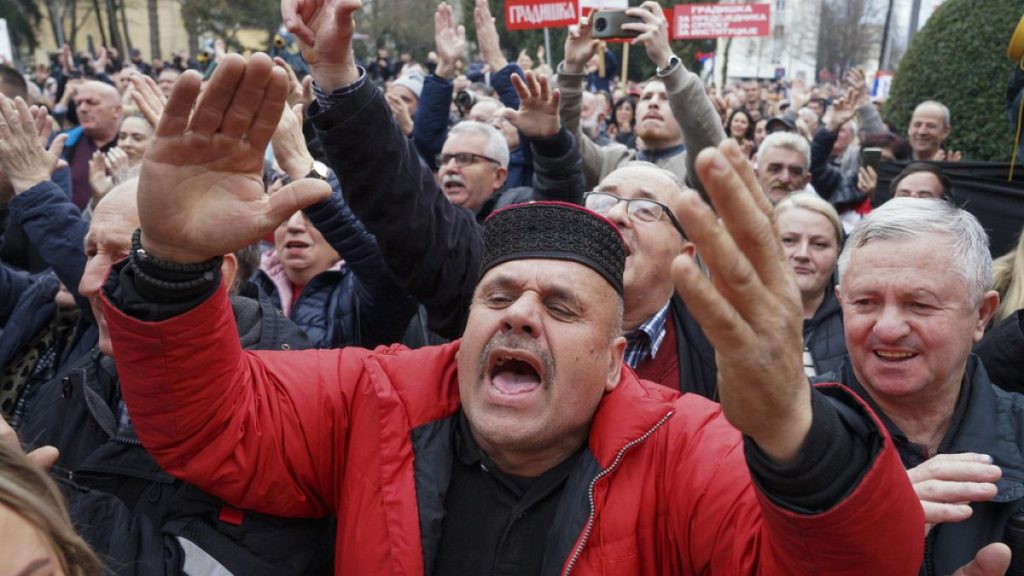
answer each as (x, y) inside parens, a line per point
(555, 231)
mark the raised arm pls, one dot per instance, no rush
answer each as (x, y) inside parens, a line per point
(430, 127)
(693, 110)
(52, 223)
(830, 483)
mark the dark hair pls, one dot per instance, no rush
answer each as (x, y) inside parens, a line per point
(612, 118)
(900, 149)
(914, 168)
(12, 83)
(750, 123)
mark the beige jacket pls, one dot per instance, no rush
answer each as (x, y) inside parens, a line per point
(700, 124)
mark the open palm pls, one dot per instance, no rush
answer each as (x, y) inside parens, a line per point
(201, 190)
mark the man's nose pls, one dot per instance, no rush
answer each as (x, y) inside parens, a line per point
(891, 324)
(523, 316)
(95, 273)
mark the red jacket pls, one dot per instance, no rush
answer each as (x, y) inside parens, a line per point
(362, 435)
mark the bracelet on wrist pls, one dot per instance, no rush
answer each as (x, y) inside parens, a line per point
(140, 255)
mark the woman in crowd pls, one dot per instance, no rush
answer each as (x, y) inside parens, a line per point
(1001, 348)
(134, 137)
(623, 120)
(812, 237)
(113, 167)
(740, 127)
(36, 536)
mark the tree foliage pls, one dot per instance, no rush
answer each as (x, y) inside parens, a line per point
(959, 59)
(23, 18)
(224, 18)
(846, 33)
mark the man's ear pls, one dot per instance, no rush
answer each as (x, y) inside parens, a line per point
(989, 303)
(499, 177)
(228, 271)
(617, 352)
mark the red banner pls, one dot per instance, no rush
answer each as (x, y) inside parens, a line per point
(693, 21)
(529, 14)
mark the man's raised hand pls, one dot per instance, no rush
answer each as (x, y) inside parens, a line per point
(537, 116)
(201, 190)
(750, 308)
(653, 32)
(580, 47)
(22, 158)
(324, 29)
(449, 39)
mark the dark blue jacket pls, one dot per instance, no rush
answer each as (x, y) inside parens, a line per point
(139, 518)
(359, 305)
(986, 420)
(57, 230)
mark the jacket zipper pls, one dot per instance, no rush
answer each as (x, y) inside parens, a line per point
(590, 491)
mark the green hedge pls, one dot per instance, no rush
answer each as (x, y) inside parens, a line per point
(959, 59)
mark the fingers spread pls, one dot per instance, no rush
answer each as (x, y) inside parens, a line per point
(716, 315)
(730, 182)
(265, 121)
(215, 100)
(174, 119)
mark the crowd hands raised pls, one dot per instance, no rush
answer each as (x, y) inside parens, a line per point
(389, 210)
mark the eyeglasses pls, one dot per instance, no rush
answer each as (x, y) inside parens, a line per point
(463, 159)
(642, 209)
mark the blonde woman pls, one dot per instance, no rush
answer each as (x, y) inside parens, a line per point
(812, 237)
(1002, 347)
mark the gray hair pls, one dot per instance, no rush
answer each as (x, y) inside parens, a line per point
(786, 141)
(496, 146)
(940, 106)
(910, 218)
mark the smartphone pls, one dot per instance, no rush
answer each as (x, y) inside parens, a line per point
(608, 24)
(870, 157)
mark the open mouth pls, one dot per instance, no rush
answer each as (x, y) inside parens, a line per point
(298, 244)
(514, 373)
(887, 356)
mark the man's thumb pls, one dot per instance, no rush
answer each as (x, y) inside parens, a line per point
(296, 196)
(44, 457)
(992, 560)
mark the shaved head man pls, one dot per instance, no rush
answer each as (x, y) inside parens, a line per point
(98, 106)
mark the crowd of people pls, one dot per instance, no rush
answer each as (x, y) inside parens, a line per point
(447, 318)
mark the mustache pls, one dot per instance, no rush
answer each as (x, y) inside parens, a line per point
(452, 179)
(518, 342)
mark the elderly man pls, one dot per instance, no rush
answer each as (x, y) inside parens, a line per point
(98, 105)
(673, 109)
(914, 288)
(664, 342)
(529, 418)
(473, 165)
(928, 131)
(127, 507)
(783, 165)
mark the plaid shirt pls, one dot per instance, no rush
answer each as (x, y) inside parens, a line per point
(643, 342)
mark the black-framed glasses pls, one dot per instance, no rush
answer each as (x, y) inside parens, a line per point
(642, 209)
(463, 159)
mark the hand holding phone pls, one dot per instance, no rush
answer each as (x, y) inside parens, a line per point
(608, 24)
